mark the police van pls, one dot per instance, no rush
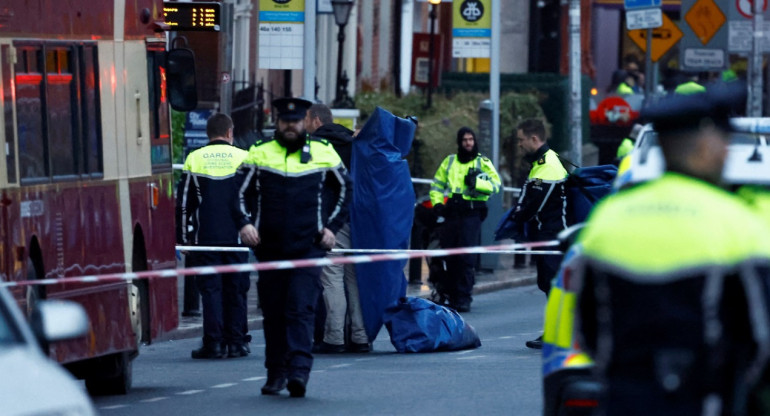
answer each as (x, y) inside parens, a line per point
(569, 386)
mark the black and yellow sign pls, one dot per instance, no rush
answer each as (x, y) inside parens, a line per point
(192, 16)
(663, 38)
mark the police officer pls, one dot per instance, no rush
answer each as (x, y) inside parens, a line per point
(467, 179)
(542, 204)
(294, 197)
(205, 216)
(672, 302)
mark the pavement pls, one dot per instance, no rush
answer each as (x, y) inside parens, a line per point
(503, 277)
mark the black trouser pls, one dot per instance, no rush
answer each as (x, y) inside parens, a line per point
(461, 231)
(547, 264)
(223, 297)
(288, 299)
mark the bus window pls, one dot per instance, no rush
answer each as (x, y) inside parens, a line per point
(7, 100)
(90, 117)
(159, 113)
(67, 142)
(29, 113)
(59, 103)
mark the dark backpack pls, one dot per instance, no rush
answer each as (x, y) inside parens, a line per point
(585, 187)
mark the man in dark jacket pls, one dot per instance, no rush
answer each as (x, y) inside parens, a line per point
(338, 278)
(542, 205)
(293, 199)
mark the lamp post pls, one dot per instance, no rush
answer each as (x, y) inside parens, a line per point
(432, 16)
(341, 9)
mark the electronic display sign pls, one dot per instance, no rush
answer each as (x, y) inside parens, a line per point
(192, 16)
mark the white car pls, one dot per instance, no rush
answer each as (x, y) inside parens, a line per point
(31, 383)
(748, 157)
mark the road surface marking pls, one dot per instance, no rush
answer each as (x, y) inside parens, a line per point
(223, 385)
(340, 365)
(189, 392)
(116, 406)
(472, 357)
(254, 378)
(154, 399)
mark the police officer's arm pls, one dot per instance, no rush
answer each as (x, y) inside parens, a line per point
(186, 203)
(489, 182)
(244, 211)
(532, 196)
(440, 183)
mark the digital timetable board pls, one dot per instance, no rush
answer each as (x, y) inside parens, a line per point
(192, 16)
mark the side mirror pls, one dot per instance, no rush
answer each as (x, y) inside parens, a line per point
(58, 320)
(180, 79)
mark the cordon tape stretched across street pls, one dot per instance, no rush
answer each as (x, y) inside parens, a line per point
(519, 248)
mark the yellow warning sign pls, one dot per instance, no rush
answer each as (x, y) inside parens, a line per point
(663, 38)
(705, 19)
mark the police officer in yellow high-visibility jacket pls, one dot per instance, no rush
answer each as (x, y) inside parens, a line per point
(672, 279)
(294, 198)
(542, 204)
(205, 216)
(467, 179)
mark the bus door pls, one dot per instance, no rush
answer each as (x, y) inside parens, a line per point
(8, 162)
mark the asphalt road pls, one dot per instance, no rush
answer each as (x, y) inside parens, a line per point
(502, 377)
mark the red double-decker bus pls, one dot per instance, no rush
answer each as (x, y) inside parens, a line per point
(86, 178)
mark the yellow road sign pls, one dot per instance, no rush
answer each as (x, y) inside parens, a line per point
(663, 38)
(705, 19)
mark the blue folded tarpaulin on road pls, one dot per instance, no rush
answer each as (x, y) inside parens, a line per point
(382, 211)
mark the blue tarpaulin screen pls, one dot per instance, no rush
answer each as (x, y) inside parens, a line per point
(382, 211)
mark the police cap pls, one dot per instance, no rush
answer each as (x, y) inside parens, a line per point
(677, 113)
(289, 108)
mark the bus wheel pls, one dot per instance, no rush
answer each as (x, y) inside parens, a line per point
(114, 377)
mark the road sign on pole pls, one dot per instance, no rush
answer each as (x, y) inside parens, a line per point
(641, 4)
(704, 45)
(663, 38)
(644, 18)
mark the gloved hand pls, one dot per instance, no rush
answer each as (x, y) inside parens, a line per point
(438, 209)
(470, 178)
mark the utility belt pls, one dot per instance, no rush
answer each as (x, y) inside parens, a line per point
(457, 206)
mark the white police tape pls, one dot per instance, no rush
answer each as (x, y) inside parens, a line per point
(375, 250)
(283, 264)
(361, 250)
(212, 248)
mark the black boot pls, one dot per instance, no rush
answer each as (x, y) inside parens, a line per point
(276, 381)
(237, 350)
(207, 352)
(296, 387)
(535, 344)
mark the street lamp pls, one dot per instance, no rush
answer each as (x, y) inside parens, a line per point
(341, 10)
(432, 15)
